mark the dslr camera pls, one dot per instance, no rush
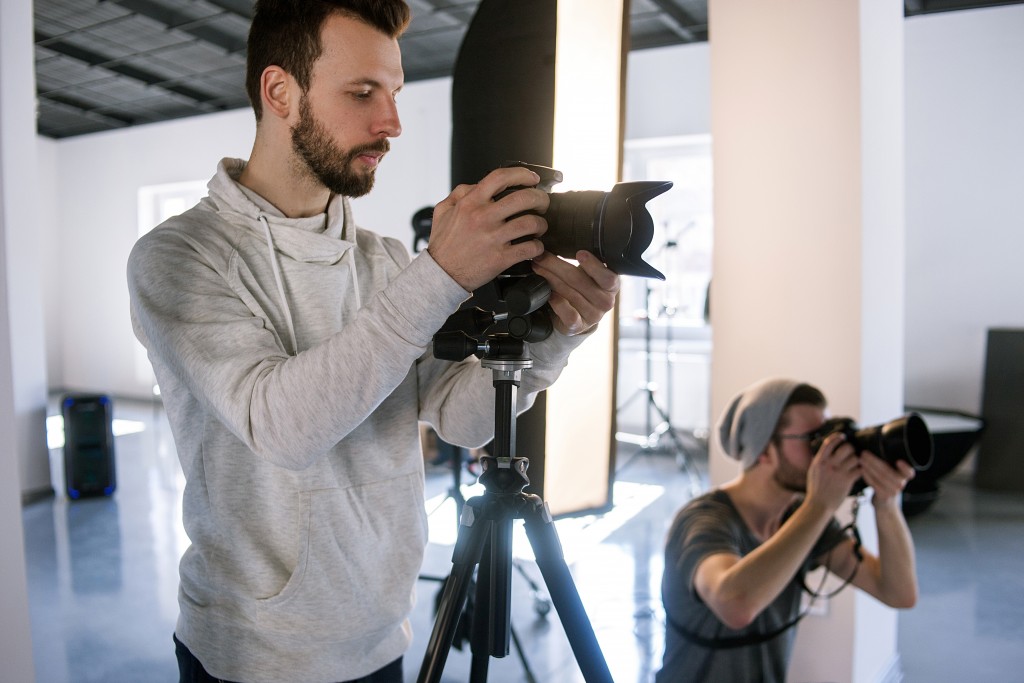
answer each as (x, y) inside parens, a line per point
(906, 438)
(615, 226)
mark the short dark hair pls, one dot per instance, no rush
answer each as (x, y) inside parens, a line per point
(802, 395)
(286, 33)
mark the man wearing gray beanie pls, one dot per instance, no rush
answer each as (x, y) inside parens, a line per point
(736, 557)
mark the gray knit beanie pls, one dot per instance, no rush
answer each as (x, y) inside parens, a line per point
(749, 421)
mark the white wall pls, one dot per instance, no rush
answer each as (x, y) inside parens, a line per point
(658, 105)
(92, 183)
(23, 460)
(965, 197)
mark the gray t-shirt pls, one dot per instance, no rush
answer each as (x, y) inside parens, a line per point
(708, 525)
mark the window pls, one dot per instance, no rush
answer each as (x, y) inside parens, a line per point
(157, 203)
(681, 248)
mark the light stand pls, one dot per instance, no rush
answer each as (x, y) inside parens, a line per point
(485, 539)
(650, 441)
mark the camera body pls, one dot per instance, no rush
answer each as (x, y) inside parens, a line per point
(615, 226)
(906, 438)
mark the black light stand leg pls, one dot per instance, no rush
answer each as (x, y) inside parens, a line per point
(650, 441)
(526, 664)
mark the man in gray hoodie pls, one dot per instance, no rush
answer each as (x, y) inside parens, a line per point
(293, 355)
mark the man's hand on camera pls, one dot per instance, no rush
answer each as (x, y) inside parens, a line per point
(472, 237)
(833, 472)
(886, 480)
(580, 295)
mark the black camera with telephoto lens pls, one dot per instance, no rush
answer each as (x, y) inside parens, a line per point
(906, 438)
(615, 226)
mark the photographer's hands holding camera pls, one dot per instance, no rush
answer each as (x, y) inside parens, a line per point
(837, 466)
(887, 481)
(475, 238)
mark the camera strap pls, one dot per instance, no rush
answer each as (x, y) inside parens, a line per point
(732, 642)
(854, 533)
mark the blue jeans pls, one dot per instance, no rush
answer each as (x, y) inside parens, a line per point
(191, 669)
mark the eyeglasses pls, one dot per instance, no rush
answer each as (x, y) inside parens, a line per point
(808, 437)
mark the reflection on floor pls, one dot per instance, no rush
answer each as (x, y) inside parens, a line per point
(103, 577)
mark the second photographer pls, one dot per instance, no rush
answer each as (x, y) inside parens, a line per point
(736, 557)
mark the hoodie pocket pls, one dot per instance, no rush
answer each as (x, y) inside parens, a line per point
(361, 552)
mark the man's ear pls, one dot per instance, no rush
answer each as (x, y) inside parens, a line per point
(276, 91)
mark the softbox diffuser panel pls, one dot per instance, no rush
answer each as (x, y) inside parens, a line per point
(503, 109)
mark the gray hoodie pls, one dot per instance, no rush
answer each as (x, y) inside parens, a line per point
(294, 364)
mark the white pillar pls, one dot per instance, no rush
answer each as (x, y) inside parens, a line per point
(23, 235)
(17, 131)
(807, 131)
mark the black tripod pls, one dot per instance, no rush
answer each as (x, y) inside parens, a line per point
(485, 539)
(541, 604)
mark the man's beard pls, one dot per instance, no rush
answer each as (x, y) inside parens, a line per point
(325, 161)
(790, 478)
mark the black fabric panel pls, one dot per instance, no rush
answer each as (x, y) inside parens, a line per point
(1001, 449)
(503, 109)
(503, 88)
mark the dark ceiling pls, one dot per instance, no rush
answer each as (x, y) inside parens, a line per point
(108, 64)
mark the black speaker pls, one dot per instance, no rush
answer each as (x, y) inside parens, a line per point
(88, 446)
(997, 465)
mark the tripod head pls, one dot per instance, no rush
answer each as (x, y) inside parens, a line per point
(504, 474)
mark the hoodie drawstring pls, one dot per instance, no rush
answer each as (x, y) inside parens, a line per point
(350, 255)
(280, 282)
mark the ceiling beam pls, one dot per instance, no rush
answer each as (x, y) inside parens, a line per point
(679, 20)
(108, 119)
(97, 60)
(455, 12)
(178, 20)
(241, 8)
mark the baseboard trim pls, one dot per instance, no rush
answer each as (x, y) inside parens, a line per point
(36, 495)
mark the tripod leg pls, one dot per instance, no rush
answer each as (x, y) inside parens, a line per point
(468, 549)
(500, 586)
(492, 620)
(548, 550)
(480, 627)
